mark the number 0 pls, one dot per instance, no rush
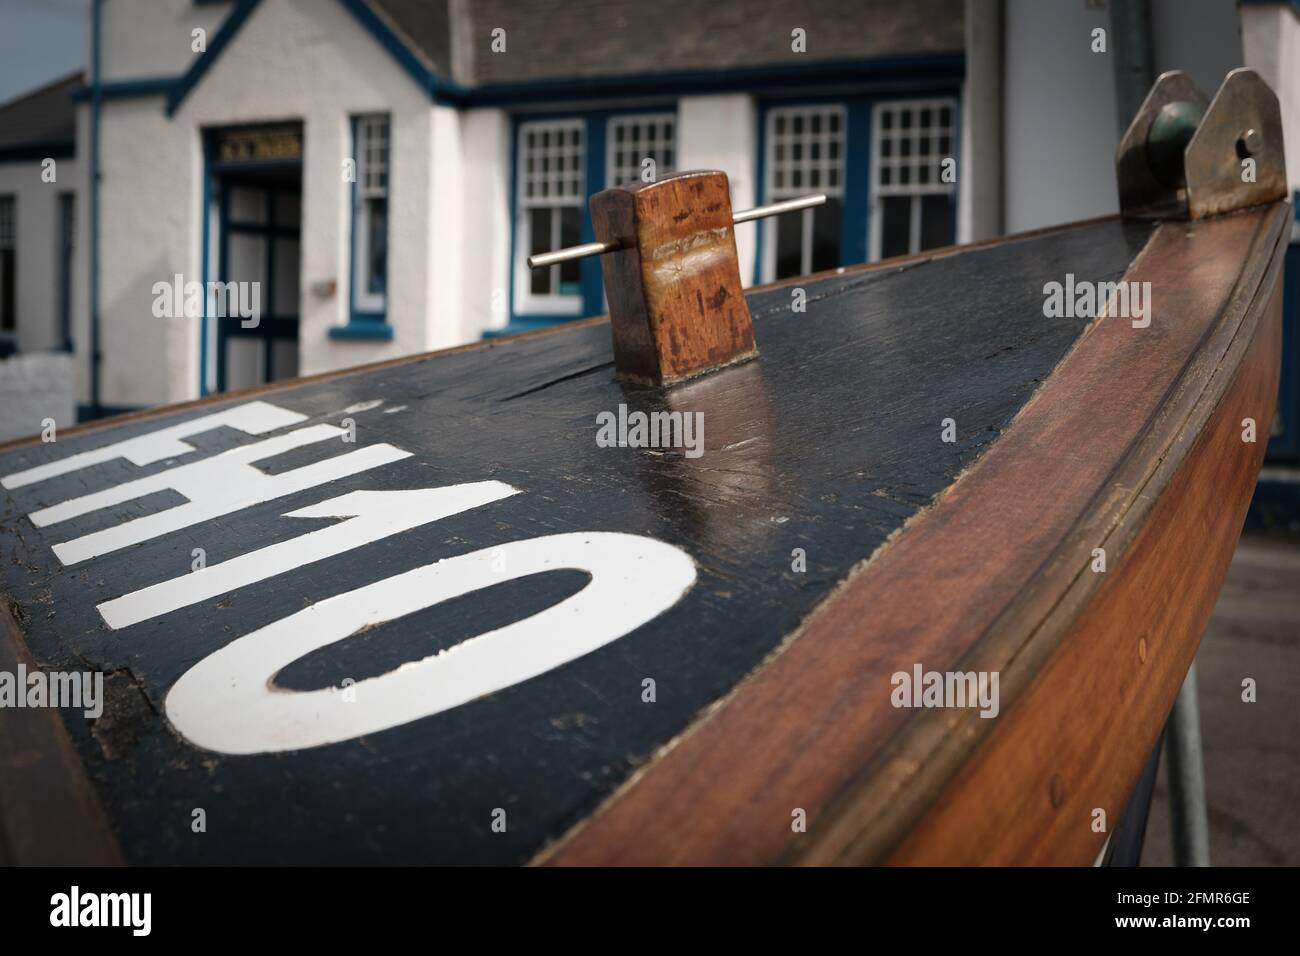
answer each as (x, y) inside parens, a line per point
(228, 702)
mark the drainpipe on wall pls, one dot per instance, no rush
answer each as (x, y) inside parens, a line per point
(96, 409)
(982, 132)
(1130, 24)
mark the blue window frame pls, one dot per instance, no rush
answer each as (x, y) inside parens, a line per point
(558, 161)
(551, 188)
(912, 207)
(806, 154)
(835, 146)
(368, 273)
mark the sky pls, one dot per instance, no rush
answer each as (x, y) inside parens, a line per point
(40, 41)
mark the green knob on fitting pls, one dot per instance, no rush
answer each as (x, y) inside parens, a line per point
(1171, 131)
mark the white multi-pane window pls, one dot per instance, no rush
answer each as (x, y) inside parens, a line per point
(552, 182)
(912, 208)
(631, 140)
(805, 154)
(370, 215)
(8, 275)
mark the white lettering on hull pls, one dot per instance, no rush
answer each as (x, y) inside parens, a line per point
(228, 702)
(371, 515)
(253, 418)
(214, 486)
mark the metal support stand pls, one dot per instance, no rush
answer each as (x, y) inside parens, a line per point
(1191, 828)
(1124, 848)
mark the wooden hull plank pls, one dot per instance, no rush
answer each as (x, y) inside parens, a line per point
(1027, 796)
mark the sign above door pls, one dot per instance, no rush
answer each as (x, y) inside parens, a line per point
(259, 144)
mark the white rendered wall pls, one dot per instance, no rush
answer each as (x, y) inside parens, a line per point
(1271, 38)
(147, 233)
(37, 253)
(1059, 118)
(721, 132)
(441, 235)
(293, 60)
(34, 388)
(485, 228)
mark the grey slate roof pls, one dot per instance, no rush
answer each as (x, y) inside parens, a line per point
(552, 39)
(426, 26)
(45, 118)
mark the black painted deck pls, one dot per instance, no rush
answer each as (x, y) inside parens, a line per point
(828, 443)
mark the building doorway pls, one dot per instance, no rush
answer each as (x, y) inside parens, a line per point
(256, 183)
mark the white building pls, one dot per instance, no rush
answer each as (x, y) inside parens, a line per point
(380, 169)
(476, 132)
(40, 178)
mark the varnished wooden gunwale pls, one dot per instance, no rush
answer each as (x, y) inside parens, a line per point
(1025, 797)
(1064, 589)
(804, 733)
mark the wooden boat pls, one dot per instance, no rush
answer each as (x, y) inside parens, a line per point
(421, 612)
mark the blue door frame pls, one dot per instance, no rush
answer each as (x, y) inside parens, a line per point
(594, 155)
(270, 326)
(213, 330)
